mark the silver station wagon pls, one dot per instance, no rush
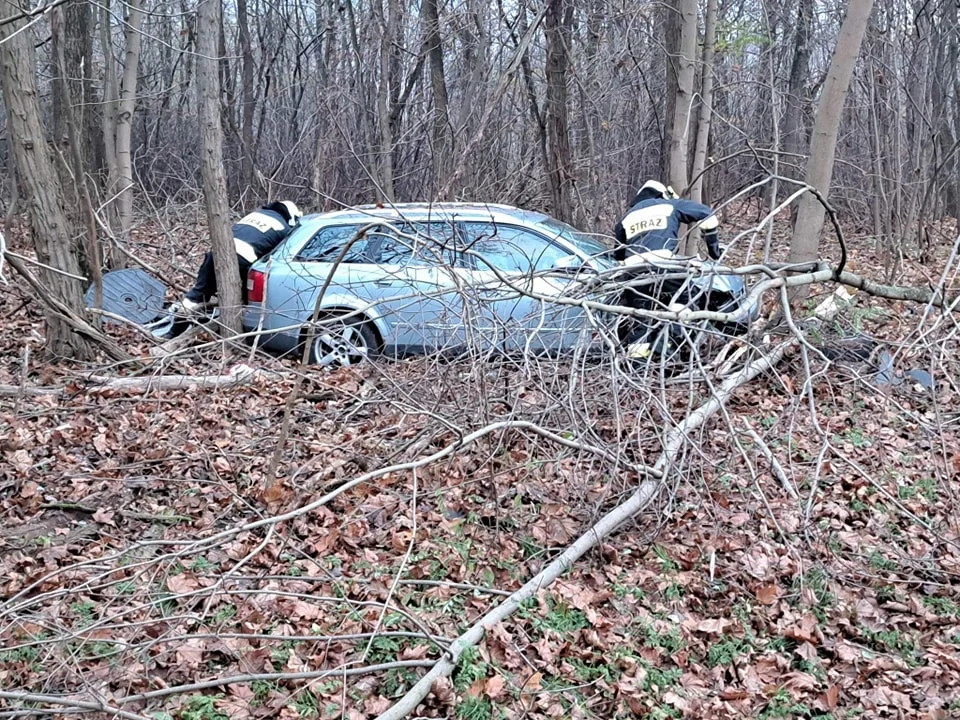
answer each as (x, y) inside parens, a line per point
(424, 278)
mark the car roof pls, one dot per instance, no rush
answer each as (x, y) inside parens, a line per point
(438, 211)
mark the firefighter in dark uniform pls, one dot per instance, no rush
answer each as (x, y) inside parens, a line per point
(254, 236)
(648, 232)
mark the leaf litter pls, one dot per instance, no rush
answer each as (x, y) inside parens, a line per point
(727, 599)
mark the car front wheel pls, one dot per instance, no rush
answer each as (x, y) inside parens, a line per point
(339, 342)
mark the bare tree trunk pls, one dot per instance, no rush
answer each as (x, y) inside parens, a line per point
(109, 123)
(805, 244)
(387, 30)
(557, 27)
(248, 162)
(794, 136)
(89, 252)
(40, 185)
(684, 56)
(441, 135)
(211, 166)
(706, 102)
(705, 116)
(124, 119)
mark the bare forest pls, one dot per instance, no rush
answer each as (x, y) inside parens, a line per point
(203, 529)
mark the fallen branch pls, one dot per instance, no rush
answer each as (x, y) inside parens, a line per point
(67, 702)
(178, 343)
(25, 390)
(646, 493)
(775, 465)
(238, 375)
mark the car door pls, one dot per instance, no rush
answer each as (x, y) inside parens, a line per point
(413, 286)
(507, 263)
(327, 259)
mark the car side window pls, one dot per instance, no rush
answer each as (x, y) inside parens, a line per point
(328, 242)
(418, 244)
(510, 249)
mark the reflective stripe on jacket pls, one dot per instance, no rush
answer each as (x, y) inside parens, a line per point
(258, 233)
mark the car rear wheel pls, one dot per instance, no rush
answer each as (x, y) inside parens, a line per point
(341, 341)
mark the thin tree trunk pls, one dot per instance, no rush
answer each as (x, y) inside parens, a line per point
(109, 122)
(440, 135)
(385, 56)
(705, 115)
(124, 119)
(794, 136)
(211, 165)
(248, 162)
(684, 57)
(557, 27)
(805, 244)
(40, 185)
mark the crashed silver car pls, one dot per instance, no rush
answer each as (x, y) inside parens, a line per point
(413, 278)
(422, 278)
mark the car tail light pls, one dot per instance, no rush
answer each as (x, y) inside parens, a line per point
(256, 280)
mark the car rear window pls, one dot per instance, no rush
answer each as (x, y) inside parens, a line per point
(328, 242)
(404, 243)
(415, 243)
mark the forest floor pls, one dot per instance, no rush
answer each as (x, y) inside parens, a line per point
(124, 582)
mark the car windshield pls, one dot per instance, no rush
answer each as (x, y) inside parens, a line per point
(588, 245)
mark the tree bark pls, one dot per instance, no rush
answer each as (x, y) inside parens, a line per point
(211, 165)
(557, 28)
(805, 243)
(441, 135)
(109, 120)
(248, 162)
(794, 137)
(40, 186)
(683, 56)
(705, 116)
(387, 32)
(126, 105)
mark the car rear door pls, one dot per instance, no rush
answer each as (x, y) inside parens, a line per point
(295, 276)
(413, 285)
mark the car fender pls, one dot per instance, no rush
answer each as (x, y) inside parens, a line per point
(341, 302)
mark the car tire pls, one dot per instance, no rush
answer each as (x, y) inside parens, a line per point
(341, 341)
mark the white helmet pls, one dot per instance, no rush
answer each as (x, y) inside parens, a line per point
(658, 187)
(293, 211)
(664, 191)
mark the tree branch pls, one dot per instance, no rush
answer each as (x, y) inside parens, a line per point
(647, 491)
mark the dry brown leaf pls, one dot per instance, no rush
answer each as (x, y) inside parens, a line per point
(376, 705)
(494, 687)
(713, 626)
(767, 594)
(532, 684)
(414, 653)
(182, 583)
(305, 610)
(190, 653)
(831, 697)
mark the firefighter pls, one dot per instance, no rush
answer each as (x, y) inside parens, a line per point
(654, 218)
(254, 236)
(650, 229)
